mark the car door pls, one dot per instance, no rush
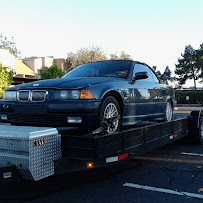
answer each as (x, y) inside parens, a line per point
(159, 95)
(146, 93)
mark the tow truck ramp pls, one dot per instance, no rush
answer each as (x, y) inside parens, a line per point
(34, 153)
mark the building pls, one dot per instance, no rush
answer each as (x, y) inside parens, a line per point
(47, 61)
(27, 70)
(7, 59)
(36, 64)
(23, 71)
(60, 62)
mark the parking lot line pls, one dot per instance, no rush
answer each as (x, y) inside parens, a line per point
(191, 154)
(155, 189)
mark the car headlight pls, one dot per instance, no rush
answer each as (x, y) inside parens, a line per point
(66, 94)
(10, 96)
(72, 94)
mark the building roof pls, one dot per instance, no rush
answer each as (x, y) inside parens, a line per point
(21, 68)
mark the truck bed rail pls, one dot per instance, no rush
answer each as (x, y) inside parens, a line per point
(134, 141)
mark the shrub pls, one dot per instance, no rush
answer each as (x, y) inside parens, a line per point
(51, 72)
(5, 79)
(195, 97)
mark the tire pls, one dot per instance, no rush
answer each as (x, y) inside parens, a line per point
(110, 110)
(201, 130)
(168, 112)
(195, 134)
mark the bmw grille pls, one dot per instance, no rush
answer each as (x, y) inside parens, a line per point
(31, 95)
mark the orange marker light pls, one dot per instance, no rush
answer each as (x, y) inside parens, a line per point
(86, 94)
(90, 164)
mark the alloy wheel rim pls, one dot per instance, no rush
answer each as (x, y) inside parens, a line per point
(111, 112)
(169, 112)
(201, 128)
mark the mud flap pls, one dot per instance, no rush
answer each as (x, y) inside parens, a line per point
(9, 174)
(196, 127)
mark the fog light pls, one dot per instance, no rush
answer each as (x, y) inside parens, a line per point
(4, 117)
(74, 119)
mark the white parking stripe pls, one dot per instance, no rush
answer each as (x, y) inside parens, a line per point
(155, 189)
(191, 154)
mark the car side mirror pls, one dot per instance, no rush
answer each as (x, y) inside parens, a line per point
(141, 75)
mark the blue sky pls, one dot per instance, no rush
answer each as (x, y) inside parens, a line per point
(151, 31)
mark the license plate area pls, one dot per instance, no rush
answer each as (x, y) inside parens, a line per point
(30, 109)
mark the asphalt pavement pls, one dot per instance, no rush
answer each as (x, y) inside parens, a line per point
(182, 111)
(172, 173)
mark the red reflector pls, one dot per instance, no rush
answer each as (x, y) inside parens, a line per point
(39, 142)
(174, 136)
(36, 143)
(123, 156)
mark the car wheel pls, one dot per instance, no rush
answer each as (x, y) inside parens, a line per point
(168, 111)
(110, 115)
(201, 131)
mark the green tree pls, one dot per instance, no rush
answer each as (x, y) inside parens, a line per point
(114, 57)
(154, 68)
(189, 66)
(90, 54)
(166, 76)
(6, 78)
(199, 54)
(123, 56)
(10, 45)
(51, 72)
(84, 55)
(158, 74)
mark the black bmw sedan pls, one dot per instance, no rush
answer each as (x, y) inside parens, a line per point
(112, 93)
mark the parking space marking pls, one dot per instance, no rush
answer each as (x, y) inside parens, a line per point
(169, 191)
(191, 154)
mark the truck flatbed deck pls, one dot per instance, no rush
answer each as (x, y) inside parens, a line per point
(76, 151)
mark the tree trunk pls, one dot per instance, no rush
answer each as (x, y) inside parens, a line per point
(195, 84)
(193, 72)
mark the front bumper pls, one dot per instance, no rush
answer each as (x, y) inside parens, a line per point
(52, 114)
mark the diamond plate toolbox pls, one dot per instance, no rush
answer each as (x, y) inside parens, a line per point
(32, 149)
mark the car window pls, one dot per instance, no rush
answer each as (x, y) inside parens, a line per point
(119, 69)
(143, 68)
(156, 80)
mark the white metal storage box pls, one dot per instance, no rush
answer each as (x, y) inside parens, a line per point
(31, 149)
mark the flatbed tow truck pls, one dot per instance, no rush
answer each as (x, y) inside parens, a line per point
(34, 153)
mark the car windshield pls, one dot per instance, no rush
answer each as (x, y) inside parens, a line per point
(119, 69)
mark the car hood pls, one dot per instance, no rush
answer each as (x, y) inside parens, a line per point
(68, 83)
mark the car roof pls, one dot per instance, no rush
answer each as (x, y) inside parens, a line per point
(127, 60)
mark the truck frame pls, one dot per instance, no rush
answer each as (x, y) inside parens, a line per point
(86, 151)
